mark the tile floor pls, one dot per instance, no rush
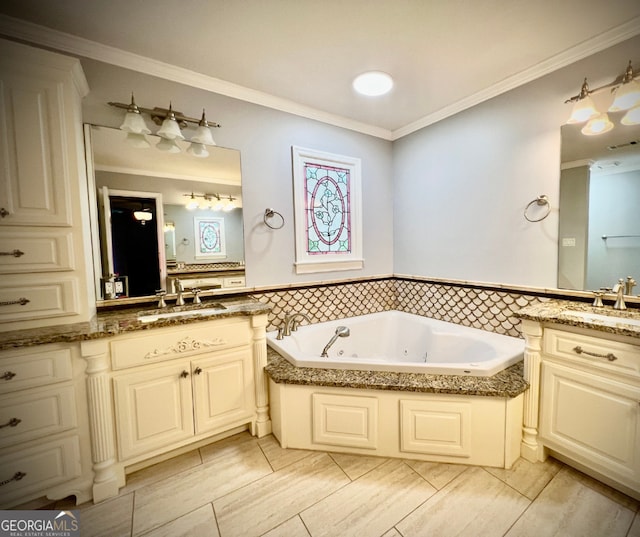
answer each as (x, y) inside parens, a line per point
(247, 487)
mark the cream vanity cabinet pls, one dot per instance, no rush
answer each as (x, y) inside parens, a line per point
(44, 430)
(43, 235)
(167, 389)
(589, 402)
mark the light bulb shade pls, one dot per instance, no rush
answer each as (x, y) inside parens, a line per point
(143, 216)
(197, 150)
(139, 141)
(218, 206)
(583, 110)
(203, 136)
(170, 130)
(626, 96)
(632, 117)
(229, 206)
(597, 125)
(134, 123)
(170, 146)
(192, 203)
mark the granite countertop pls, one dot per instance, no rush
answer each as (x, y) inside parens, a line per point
(583, 315)
(119, 321)
(507, 383)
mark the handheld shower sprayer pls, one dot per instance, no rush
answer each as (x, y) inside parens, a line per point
(341, 331)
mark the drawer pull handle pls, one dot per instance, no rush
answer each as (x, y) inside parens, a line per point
(22, 301)
(611, 357)
(184, 374)
(16, 477)
(8, 375)
(4, 212)
(198, 370)
(11, 423)
(14, 253)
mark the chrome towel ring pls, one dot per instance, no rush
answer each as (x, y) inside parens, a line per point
(540, 201)
(270, 213)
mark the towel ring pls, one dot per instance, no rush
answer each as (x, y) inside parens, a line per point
(540, 201)
(270, 213)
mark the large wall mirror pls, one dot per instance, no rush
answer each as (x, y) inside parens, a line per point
(163, 220)
(599, 225)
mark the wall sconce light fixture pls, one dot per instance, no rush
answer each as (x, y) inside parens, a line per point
(213, 202)
(626, 98)
(171, 123)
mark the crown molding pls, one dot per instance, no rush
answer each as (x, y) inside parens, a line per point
(78, 46)
(583, 50)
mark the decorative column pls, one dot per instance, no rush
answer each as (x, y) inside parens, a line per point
(263, 421)
(105, 480)
(530, 449)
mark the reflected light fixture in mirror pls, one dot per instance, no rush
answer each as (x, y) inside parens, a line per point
(171, 124)
(626, 98)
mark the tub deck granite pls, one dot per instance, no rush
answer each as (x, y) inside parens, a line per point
(507, 383)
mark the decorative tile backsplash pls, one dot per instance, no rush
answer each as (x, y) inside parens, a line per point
(484, 308)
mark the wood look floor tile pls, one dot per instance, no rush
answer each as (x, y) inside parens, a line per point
(437, 473)
(635, 527)
(111, 517)
(198, 523)
(356, 465)
(267, 503)
(291, 528)
(162, 470)
(603, 489)
(569, 508)
(528, 478)
(370, 505)
(279, 457)
(475, 503)
(229, 465)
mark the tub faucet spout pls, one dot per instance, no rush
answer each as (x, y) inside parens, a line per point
(290, 319)
(341, 331)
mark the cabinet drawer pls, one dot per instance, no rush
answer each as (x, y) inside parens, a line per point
(22, 369)
(604, 354)
(235, 281)
(35, 250)
(36, 413)
(34, 469)
(187, 340)
(37, 296)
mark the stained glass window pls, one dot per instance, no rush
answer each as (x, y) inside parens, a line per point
(209, 234)
(327, 209)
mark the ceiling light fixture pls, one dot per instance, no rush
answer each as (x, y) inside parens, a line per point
(373, 83)
(171, 124)
(626, 98)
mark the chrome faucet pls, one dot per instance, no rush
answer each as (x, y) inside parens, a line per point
(160, 293)
(619, 290)
(179, 291)
(629, 285)
(290, 319)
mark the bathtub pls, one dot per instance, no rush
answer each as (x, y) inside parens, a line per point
(400, 342)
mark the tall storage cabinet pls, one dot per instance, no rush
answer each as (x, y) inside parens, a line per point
(44, 224)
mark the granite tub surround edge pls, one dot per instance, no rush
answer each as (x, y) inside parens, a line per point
(560, 312)
(507, 383)
(111, 323)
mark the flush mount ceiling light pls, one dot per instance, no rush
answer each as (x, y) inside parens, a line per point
(373, 83)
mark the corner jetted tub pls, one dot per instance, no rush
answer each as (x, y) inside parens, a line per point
(400, 342)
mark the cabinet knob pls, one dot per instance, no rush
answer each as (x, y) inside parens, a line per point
(7, 375)
(197, 370)
(4, 212)
(184, 374)
(13, 422)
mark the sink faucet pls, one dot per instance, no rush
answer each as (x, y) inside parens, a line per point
(619, 289)
(179, 291)
(289, 319)
(629, 285)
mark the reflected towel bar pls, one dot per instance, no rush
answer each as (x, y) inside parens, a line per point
(605, 237)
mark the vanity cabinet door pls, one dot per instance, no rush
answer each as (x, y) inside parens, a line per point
(223, 390)
(153, 408)
(592, 419)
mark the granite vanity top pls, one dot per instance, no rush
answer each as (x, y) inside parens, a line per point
(507, 383)
(583, 315)
(111, 323)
